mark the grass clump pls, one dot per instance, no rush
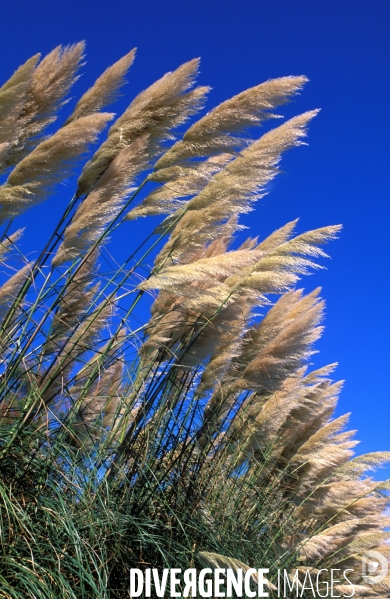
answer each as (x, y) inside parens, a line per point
(197, 436)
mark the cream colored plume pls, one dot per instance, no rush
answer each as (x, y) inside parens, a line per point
(106, 88)
(313, 410)
(233, 190)
(213, 135)
(264, 269)
(263, 416)
(245, 177)
(217, 131)
(340, 500)
(278, 423)
(279, 269)
(286, 312)
(50, 82)
(154, 112)
(326, 450)
(13, 96)
(8, 244)
(339, 536)
(103, 203)
(281, 343)
(363, 463)
(214, 269)
(33, 179)
(269, 362)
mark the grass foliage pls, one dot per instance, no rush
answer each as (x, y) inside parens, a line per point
(196, 437)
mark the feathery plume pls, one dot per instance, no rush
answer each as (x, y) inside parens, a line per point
(279, 268)
(45, 94)
(213, 269)
(233, 190)
(269, 361)
(32, 180)
(277, 348)
(313, 410)
(244, 178)
(13, 96)
(171, 320)
(8, 244)
(256, 269)
(105, 90)
(155, 112)
(220, 130)
(226, 334)
(52, 80)
(326, 450)
(363, 463)
(212, 136)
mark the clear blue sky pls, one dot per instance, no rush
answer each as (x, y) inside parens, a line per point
(342, 177)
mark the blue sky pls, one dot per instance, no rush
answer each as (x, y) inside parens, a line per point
(341, 177)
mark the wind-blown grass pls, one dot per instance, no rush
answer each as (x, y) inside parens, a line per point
(200, 436)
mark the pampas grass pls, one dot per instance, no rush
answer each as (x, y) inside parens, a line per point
(199, 436)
